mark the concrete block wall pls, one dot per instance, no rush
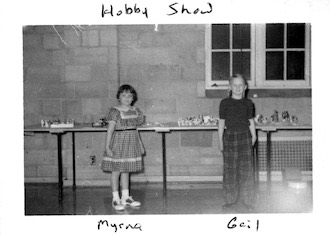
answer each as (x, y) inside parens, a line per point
(75, 74)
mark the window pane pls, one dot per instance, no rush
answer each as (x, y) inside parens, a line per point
(296, 36)
(274, 35)
(241, 64)
(295, 65)
(220, 36)
(274, 66)
(241, 36)
(220, 66)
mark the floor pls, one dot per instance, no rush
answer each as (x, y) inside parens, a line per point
(182, 198)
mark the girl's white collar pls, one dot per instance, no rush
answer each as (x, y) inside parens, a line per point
(121, 109)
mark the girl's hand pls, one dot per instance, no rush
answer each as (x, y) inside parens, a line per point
(143, 151)
(109, 152)
(254, 139)
(221, 146)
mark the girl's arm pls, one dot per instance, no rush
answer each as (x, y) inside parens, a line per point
(111, 128)
(141, 118)
(253, 131)
(221, 128)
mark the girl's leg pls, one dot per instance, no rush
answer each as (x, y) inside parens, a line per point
(124, 180)
(126, 199)
(115, 181)
(116, 203)
(124, 185)
(246, 183)
(230, 184)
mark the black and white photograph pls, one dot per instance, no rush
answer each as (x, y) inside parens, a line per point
(162, 125)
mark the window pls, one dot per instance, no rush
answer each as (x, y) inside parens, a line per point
(231, 51)
(267, 55)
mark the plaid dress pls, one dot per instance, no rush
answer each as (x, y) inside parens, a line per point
(125, 144)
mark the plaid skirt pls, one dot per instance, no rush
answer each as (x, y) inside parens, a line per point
(127, 156)
(238, 174)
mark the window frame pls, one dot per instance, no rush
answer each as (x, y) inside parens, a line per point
(258, 62)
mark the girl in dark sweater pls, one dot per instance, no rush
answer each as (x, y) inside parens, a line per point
(237, 135)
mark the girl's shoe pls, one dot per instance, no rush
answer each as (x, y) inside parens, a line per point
(117, 205)
(130, 202)
(250, 208)
(228, 205)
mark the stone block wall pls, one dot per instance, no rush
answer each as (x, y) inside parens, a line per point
(74, 73)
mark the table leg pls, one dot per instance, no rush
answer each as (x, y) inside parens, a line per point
(164, 173)
(269, 178)
(73, 161)
(256, 148)
(74, 201)
(59, 157)
(268, 160)
(164, 162)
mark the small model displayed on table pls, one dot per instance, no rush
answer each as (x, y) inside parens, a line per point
(68, 123)
(274, 119)
(200, 120)
(100, 123)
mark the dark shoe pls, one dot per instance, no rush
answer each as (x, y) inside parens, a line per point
(249, 207)
(228, 205)
(117, 205)
(130, 202)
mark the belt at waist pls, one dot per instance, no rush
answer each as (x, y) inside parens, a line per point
(128, 129)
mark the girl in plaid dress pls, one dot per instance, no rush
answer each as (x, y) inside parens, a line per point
(236, 144)
(123, 146)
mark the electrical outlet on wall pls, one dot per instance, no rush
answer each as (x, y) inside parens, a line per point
(92, 160)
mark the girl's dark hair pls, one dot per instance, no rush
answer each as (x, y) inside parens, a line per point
(127, 88)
